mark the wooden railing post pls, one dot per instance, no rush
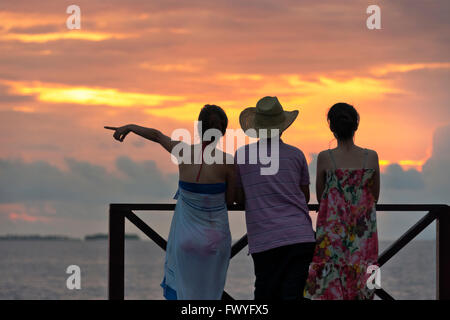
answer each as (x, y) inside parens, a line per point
(116, 279)
(443, 254)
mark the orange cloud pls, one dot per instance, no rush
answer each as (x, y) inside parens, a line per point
(72, 35)
(24, 109)
(391, 68)
(239, 76)
(56, 93)
(27, 218)
(20, 212)
(11, 20)
(300, 88)
(189, 111)
(413, 163)
(181, 67)
(234, 92)
(405, 164)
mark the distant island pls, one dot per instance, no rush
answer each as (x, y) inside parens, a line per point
(96, 236)
(103, 236)
(37, 237)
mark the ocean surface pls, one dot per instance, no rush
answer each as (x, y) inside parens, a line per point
(37, 270)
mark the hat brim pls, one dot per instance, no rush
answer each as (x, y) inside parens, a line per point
(247, 121)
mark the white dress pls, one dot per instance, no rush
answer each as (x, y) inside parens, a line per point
(199, 244)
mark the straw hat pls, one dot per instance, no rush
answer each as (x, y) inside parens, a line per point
(268, 114)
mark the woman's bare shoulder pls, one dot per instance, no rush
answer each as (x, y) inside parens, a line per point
(372, 153)
(323, 158)
(324, 154)
(372, 159)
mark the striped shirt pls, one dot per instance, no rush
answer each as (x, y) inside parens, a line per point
(276, 211)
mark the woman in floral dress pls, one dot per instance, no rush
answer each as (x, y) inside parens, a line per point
(348, 184)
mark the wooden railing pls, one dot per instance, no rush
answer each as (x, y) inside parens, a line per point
(440, 213)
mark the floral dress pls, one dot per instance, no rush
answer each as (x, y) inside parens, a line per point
(346, 236)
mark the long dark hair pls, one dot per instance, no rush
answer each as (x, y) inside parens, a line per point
(343, 120)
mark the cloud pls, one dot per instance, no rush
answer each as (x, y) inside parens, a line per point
(55, 36)
(182, 67)
(430, 185)
(35, 29)
(56, 93)
(83, 182)
(233, 36)
(7, 96)
(395, 177)
(38, 197)
(436, 170)
(26, 217)
(383, 70)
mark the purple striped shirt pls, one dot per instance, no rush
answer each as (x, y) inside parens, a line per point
(276, 212)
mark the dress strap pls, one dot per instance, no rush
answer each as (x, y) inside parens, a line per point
(332, 159)
(204, 144)
(366, 152)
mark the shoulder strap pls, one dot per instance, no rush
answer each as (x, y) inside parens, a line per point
(201, 162)
(366, 152)
(204, 144)
(332, 159)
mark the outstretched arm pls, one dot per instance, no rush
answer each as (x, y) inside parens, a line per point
(147, 133)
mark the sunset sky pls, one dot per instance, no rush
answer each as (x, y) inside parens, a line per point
(156, 63)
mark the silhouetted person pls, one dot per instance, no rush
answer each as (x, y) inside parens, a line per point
(199, 244)
(347, 186)
(279, 228)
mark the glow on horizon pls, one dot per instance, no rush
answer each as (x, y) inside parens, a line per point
(405, 164)
(90, 96)
(76, 35)
(184, 109)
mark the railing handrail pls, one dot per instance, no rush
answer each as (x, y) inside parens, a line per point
(312, 207)
(438, 212)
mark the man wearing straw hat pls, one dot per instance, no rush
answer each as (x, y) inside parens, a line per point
(280, 235)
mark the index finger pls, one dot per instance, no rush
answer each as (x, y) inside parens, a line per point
(110, 128)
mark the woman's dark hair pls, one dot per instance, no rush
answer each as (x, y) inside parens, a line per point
(213, 117)
(343, 120)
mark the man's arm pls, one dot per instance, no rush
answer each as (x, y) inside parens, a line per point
(304, 176)
(320, 176)
(305, 190)
(240, 196)
(231, 184)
